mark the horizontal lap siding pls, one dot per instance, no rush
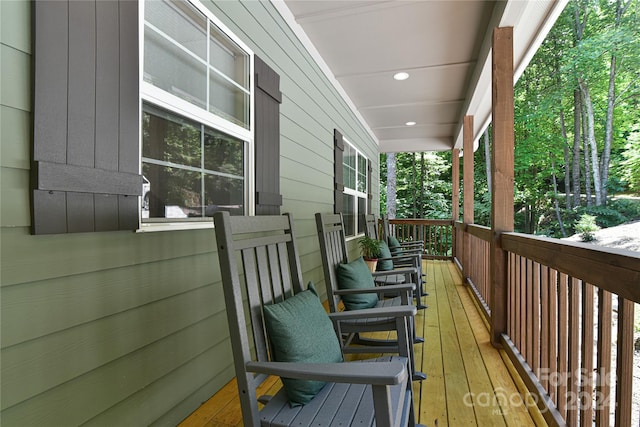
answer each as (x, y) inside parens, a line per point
(100, 328)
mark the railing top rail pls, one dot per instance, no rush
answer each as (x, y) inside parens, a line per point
(421, 221)
(614, 270)
(480, 231)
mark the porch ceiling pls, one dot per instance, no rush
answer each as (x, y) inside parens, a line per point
(444, 45)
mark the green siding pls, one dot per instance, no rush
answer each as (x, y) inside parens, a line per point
(129, 328)
(14, 125)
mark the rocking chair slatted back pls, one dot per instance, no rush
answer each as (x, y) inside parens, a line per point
(271, 260)
(334, 249)
(260, 265)
(371, 226)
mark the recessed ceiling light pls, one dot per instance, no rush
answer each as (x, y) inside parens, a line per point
(401, 76)
(410, 123)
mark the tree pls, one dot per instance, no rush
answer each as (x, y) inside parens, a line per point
(391, 185)
(589, 65)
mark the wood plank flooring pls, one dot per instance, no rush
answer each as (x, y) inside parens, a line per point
(469, 383)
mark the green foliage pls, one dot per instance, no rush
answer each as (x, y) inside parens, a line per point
(617, 212)
(544, 115)
(629, 208)
(586, 227)
(630, 165)
(606, 217)
(423, 185)
(369, 247)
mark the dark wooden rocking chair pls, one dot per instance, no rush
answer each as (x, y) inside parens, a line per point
(260, 270)
(409, 245)
(407, 254)
(333, 250)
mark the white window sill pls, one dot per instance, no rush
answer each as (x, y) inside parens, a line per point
(174, 226)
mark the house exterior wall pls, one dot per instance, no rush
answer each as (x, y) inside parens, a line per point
(130, 328)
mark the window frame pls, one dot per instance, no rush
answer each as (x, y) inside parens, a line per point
(354, 192)
(159, 98)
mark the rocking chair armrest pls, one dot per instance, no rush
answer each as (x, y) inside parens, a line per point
(374, 373)
(397, 271)
(410, 244)
(397, 288)
(401, 258)
(368, 313)
(404, 287)
(409, 251)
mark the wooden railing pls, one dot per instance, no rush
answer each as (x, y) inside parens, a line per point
(472, 249)
(570, 321)
(437, 235)
(564, 300)
(569, 311)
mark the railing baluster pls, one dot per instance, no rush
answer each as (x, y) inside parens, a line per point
(624, 362)
(517, 302)
(603, 385)
(562, 344)
(545, 319)
(511, 298)
(535, 314)
(529, 302)
(553, 333)
(574, 351)
(586, 389)
(522, 279)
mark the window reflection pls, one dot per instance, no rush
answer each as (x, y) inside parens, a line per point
(189, 170)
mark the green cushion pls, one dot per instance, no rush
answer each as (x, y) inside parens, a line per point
(394, 246)
(384, 265)
(356, 275)
(393, 243)
(300, 331)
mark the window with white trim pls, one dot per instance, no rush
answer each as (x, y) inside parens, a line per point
(197, 120)
(354, 204)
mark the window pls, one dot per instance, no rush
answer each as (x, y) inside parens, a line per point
(354, 197)
(197, 136)
(189, 152)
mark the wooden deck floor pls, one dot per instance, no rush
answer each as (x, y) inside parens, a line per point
(469, 383)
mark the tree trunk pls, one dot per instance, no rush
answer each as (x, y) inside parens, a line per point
(611, 97)
(591, 139)
(414, 184)
(423, 174)
(608, 132)
(580, 16)
(577, 114)
(555, 193)
(567, 176)
(587, 164)
(391, 185)
(487, 159)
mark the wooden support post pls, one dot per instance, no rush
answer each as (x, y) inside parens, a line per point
(502, 174)
(455, 194)
(468, 203)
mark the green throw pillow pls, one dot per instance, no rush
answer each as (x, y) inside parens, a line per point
(356, 275)
(394, 246)
(384, 264)
(300, 331)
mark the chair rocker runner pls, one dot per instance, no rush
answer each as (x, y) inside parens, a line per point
(334, 255)
(262, 284)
